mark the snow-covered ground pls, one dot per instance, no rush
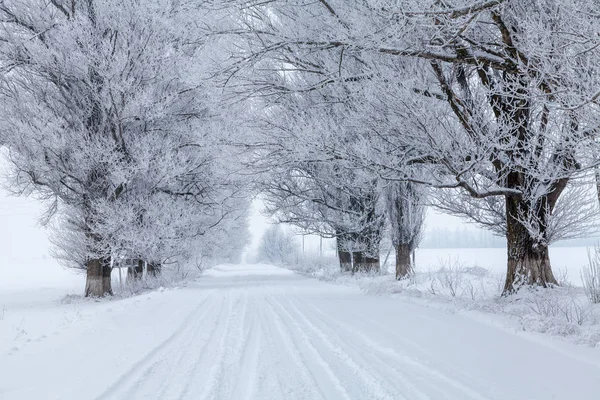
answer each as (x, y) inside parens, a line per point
(262, 332)
(567, 262)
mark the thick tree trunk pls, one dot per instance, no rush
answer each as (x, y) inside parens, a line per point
(528, 259)
(404, 267)
(153, 269)
(98, 280)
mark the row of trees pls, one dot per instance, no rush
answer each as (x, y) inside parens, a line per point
(487, 108)
(108, 119)
(131, 119)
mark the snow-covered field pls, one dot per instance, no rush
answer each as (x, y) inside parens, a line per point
(565, 260)
(262, 332)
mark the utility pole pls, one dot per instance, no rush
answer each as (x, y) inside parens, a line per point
(321, 246)
(303, 236)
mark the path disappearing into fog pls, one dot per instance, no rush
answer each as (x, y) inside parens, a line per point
(261, 332)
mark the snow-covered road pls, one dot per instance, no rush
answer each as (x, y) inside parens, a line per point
(261, 332)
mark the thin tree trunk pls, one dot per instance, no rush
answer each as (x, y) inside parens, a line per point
(358, 261)
(597, 175)
(139, 270)
(98, 282)
(387, 256)
(153, 269)
(361, 262)
(404, 267)
(135, 272)
(528, 259)
(106, 276)
(372, 264)
(345, 258)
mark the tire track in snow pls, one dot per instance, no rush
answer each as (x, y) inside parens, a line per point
(294, 378)
(312, 356)
(158, 354)
(401, 379)
(235, 344)
(372, 386)
(190, 352)
(428, 368)
(430, 373)
(248, 362)
(378, 367)
(212, 359)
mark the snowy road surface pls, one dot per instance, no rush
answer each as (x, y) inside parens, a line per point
(261, 332)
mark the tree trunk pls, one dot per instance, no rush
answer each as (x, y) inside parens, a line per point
(106, 276)
(344, 255)
(345, 258)
(597, 175)
(528, 259)
(139, 269)
(404, 267)
(98, 281)
(364, 263)
(372, 264)
(358, 261)
(135, 273)
(153, 269)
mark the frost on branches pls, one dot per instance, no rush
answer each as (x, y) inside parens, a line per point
(105, 118)
(496, 99)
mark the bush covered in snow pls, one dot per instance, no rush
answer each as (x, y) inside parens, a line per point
(278, 247)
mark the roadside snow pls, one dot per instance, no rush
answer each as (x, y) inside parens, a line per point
(564, 311)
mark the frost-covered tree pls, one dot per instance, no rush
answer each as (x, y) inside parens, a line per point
(331, 202)
(498, 98)
(297, 139)
(105, 116)
(225, 242)
(307, 186)
(277, 246)
(405, 206)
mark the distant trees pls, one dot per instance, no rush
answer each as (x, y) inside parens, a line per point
(106, 118)
(277, 246)
(333, 202)
(307, 186)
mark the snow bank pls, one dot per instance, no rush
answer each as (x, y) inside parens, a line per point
(475, 291)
